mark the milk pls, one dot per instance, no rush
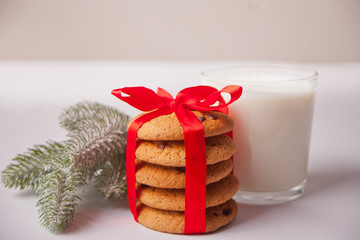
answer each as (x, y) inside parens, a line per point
(272, 136)
(273, 119)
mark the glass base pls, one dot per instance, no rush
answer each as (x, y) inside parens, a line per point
(268, 198)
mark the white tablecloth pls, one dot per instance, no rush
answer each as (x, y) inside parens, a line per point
(32, 94)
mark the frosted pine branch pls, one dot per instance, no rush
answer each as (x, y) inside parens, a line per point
(58, 196)
(111, 179)
(58, 171)
(30, 166)
(97, 139)
(82, 111)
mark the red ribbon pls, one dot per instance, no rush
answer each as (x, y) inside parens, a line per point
(202, 98)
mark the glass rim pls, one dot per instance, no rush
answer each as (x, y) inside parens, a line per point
(313, 74)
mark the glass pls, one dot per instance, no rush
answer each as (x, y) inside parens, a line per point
(272, 130)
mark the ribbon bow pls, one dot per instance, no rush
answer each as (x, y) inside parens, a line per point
(202, 98)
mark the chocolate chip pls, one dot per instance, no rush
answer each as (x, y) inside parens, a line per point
(161, 146)
(227, 212)
(211, 116)
(201, 118)
(215, 214)
(213, 145)
(181, 169)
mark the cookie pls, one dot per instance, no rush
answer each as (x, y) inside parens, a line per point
(172, 153)
(174, 199)
(167, 127)
(174, 177)
(174, 222)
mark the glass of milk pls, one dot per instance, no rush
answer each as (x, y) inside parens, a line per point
(272, 130)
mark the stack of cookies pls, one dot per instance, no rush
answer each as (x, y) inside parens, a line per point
(160, 159)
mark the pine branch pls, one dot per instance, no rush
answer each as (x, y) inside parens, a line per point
(58, 196)
(82, 111)
(30, 166)
(94, 146)
(97, 139)
(58, 171)
(111, 179)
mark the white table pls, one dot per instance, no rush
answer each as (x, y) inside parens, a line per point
(32, 94)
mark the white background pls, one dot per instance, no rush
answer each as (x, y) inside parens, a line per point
(32, 95)
(291, 30)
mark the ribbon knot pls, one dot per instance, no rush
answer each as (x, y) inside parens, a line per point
(173, 105)
(201, 98)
